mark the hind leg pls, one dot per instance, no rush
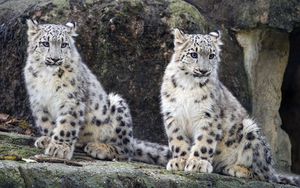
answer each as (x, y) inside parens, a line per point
(116, 128)
(104, 151)
(238, 171)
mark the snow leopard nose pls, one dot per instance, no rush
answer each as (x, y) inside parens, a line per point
(55, 59)
(203, 71)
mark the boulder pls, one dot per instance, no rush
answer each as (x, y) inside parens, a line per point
(97, 173)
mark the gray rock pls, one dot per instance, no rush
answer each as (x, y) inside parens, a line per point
(265, 61)
(114, 174)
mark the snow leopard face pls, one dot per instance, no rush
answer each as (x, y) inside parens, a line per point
(197, 55)
(51, 45)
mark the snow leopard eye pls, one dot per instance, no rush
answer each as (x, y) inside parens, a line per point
(194, 55)
(211, 56)
(45, 44)
(63, 45)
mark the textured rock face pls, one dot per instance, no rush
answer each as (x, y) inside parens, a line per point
(128, 44)
(282, 14)
(102, 174)
(265, 61)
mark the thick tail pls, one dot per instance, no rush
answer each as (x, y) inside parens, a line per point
(285, 179)
(150, 152)
(257, 146)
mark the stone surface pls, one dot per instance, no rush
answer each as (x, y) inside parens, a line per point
(280, 14)
(265, 61)
(101, 173)
(290, 105)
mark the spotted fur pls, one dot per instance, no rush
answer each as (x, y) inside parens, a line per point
(207, 128)
(70, 106)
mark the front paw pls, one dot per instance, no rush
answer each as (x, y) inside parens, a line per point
(42, 142)
(176, 164)
(59, 150)
(194, 164)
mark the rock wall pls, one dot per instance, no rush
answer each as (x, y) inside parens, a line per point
(95, 173)
(128, 43)
(265, 60)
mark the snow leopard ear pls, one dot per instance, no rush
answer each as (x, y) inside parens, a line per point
(216, 37)
(179, 37)
(33, 27)
(72, 28)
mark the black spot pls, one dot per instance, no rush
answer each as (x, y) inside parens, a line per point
(45, 130)
(74, 114)
(210, 151)
(73, 133)
(68, 134)
(200, 137)
(73, 123)
(269, 160)
(172, 100)
(124, 132)
(177, 149)
(204, 97)
(174, 81)
(81, 113)
(207, 114)
(154, 158)
(62, 121)
(62, 133)
(203, 150)
(196, 154)
(44, 119)
(98, 122)
(139, 152)
(70, 96)
(179, 138)
(72, 82)
(222, 113)
(229, 143)
(183, 153)
(122, 124)
(176, 130)
(120, 110)
(113, 109)
(209, 141)
(232, 117)
(119, 118)
(247, 146)
(104, 110)
(125, 141)
(96, 106)
(118, 130)
(55, 137)
(250, 136)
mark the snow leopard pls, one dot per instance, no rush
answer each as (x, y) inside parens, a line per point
(70, 106)
(208, 129)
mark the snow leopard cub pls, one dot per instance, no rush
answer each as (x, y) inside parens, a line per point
(70, 106)
(207, 128)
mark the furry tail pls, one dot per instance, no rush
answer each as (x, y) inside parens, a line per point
(285, 179)
(150, 152)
